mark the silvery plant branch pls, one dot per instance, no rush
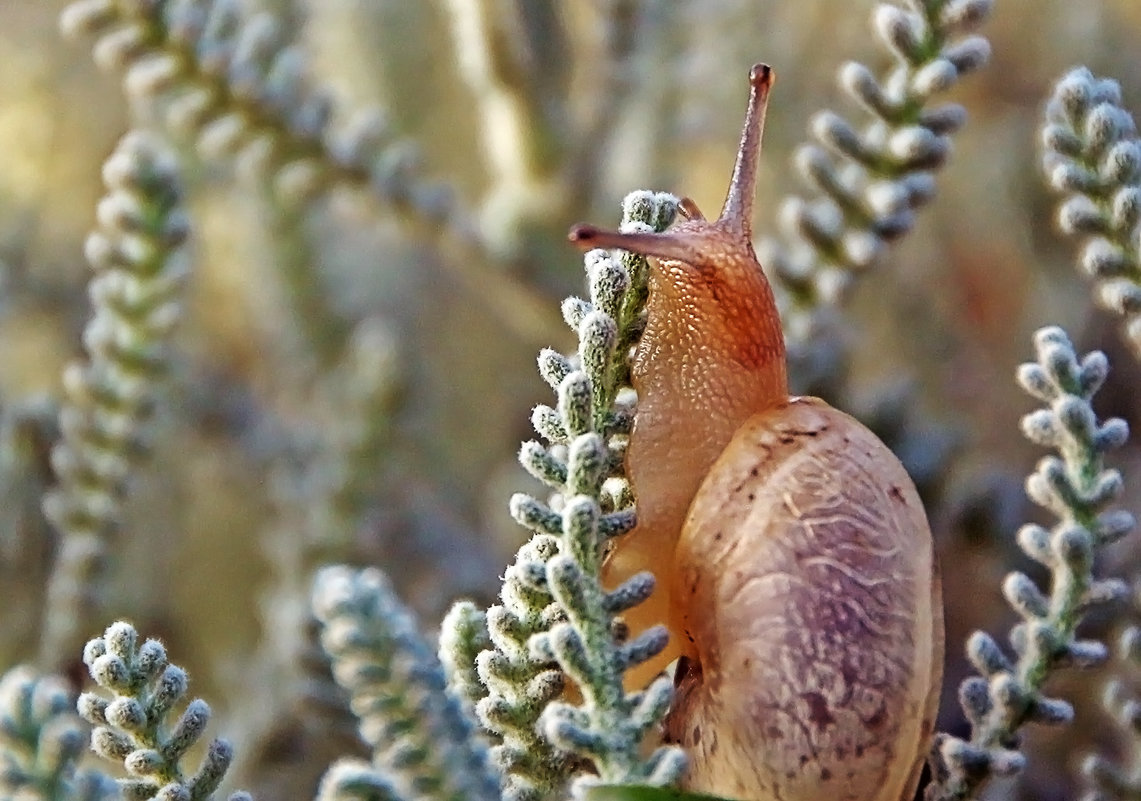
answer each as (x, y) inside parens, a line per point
(868, 182)
(1092, 159)
(42, 741)
(138, 727)
(515, 59)
(424, 746)
(136, 296)
(1109, 779)
(556, 625)
(230, 81)
(1075, 486)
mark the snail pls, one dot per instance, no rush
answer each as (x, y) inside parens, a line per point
(799, 584)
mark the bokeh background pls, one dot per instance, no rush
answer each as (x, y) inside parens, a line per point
(218, 536)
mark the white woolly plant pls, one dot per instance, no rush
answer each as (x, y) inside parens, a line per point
(1077, 488)
(42, 741)
(423, 745)
(140, 268)
(556, 622)
(1092, 158)
(868, 182)
(229, 80)
(1108, 779)
(138, 727)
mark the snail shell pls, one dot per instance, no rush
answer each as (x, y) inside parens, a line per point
(806, 585)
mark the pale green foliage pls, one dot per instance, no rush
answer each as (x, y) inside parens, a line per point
(1120, 780)
(138, 726)
(140, 269)
(232, 83)
(582, 462)
(42, 741)
(868, 183)
(1078, 489)
(463, 637)
(555, 620)
(423, 745)
(1092, 158)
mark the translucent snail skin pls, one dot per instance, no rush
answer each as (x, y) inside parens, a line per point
(795, 561)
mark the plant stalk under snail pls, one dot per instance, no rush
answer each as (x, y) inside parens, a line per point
(799, 581)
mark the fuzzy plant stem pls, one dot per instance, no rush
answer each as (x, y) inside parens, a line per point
(1078, 489)
(463, 637)
(140, 268)
(234, 84)
(556, 621)
(867, 184)
(514, 60)
(1092, 158)
(230, 82)
(1107, 779)
(42, 741)
(322, 502)
(424, 746)
(137, 726)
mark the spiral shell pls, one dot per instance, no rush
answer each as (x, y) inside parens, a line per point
(807, 588)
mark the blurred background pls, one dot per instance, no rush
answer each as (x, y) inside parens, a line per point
(348, 386)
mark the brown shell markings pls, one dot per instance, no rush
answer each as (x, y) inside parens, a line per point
(806, 583)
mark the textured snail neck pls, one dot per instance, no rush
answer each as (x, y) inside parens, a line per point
(711, 357)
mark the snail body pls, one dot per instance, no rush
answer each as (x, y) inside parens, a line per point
(795, 562)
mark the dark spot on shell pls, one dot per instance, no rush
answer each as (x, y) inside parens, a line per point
(878, 719)
(754, 471)
(859, 751)
(851, 677)
(790, 774)
(773, 732)
(818, 711)
(695, 736)
(825, 774)
(720, 534)
(787, 439)
(752, 496)
(803, 760)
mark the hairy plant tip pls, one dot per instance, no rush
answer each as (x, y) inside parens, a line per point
(42, 741)
(137, 726)
(1078, 489)
(1108, 778)
(136, 296)
(1091, 155)
(463, 637)
(355, 780)
(423, 743)
(868, 183)
(556, 621)
(229, 80)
